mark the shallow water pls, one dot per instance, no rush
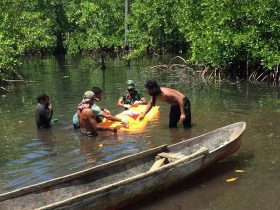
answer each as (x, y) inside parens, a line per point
(30, 156)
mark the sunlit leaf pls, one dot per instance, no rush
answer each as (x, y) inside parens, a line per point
(232, 179)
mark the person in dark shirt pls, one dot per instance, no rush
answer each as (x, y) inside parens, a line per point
(44, 111)
(131, 97)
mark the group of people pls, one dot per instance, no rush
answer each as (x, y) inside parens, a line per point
(89, 114)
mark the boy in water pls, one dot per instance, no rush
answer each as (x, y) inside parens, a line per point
(180, 105)
(44, 111)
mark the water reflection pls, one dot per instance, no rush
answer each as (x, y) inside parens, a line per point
(179, 134)
(46, 136)
(89, 149)
(209, 184)
(29, 157)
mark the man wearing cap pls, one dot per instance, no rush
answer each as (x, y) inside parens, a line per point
(131, 97)
(86, 118)
(102, 112)
(99, 112)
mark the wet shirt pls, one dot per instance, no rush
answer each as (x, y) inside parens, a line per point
(131, 98)
(43, 116)
(95, 109)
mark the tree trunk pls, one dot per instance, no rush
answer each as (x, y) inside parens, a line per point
(59, 49)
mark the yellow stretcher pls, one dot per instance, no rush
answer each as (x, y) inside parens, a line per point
(132, 117)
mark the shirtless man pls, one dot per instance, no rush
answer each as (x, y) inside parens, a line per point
(87, 119)
(98, 112)
(180, 105)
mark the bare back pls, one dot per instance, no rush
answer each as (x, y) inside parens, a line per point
(170, 96)
(87, 121)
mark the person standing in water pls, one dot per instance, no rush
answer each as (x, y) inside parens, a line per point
(44, 111)
(180, 104)
(87, 119)
(98, 112)
(132, 96)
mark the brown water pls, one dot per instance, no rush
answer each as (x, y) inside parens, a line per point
(30, 156)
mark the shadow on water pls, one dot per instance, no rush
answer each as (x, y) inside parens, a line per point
(46, 136)
(210, 183)
(89, 149)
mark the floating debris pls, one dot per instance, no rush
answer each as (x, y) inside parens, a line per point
(232, 179)
(239, 171)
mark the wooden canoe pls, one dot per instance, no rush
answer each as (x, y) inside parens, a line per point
(122, 181)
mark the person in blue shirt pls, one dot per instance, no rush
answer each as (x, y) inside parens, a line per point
(99, 112)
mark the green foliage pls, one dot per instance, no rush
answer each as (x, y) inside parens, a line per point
(225, 32)
(152, 24)
(220, 33)
(95, 24)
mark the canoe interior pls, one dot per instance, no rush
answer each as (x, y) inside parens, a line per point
(112, 172)
(81, 185)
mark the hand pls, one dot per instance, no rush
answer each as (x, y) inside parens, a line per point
(137, 102)
(115, 129)
(107, 111)
(125, 123)
(141, 117)
(127, 106)
(182, 117)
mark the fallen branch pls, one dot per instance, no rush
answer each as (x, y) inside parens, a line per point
(3, 90)
(179, 58)
(18, 81)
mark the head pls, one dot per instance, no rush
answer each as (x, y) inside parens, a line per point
(89, 95)
(98, 93)
(130, 85)
(153, 88)
(43, 98)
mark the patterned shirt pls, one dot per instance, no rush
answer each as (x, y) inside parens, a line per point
(131, 98)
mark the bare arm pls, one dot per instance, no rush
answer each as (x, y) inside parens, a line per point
(120, 102)
(141, 101)
(92, 122)
(110, 117)
(151, 103)
(181, 104)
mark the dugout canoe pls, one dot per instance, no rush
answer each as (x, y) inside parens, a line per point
(125, 180)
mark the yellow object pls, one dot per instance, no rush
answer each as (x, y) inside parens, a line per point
(100, 145)
(232, 179)
(239, 171)
(132, 117)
